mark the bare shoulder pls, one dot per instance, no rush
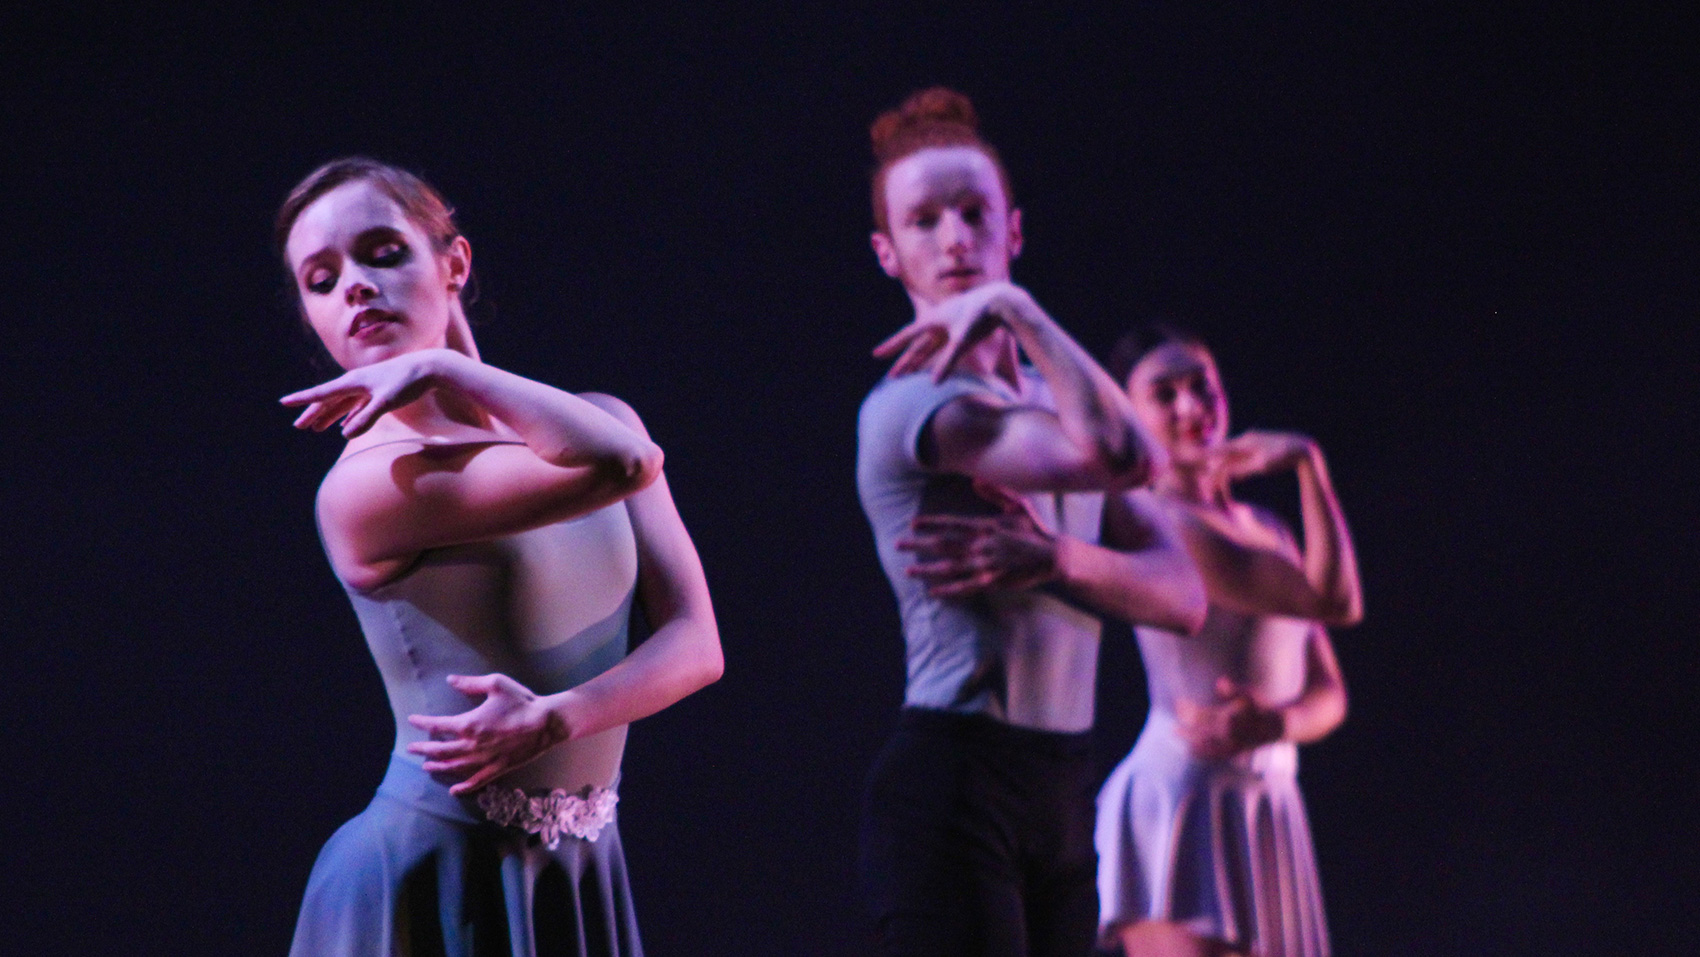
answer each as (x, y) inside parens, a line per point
(617, 408)
(361, 471)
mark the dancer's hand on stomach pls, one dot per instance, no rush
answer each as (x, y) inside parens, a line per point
(1233, 724)
(511, 727)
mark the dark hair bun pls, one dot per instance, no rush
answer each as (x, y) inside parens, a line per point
(933, 107)
(1143, 340)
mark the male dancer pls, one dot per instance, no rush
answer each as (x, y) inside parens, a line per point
(977, 823)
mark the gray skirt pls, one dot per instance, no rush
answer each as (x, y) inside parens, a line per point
(1222, 848)
(421, 873)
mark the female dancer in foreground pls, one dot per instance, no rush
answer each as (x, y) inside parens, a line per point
(492, 533)
(1203, 844)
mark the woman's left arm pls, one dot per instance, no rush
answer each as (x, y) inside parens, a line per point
(512, 725)
(1322, 706)
(682, 653)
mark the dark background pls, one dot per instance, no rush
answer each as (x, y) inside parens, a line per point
(1456, 242)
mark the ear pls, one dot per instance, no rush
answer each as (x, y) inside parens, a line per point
(885, 252)
(1014, 233)
(457, 263)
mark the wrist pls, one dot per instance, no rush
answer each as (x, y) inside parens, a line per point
(560, 716)
(1068, 554)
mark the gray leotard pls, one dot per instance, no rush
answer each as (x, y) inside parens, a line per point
(422, 872)
(548, 607)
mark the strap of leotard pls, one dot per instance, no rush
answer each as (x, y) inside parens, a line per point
(423, 442)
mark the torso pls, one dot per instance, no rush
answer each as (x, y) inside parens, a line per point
(1263, 654)
(548, 607)
(1026, 658)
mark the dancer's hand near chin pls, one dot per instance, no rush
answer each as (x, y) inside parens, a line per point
(511, 727)
(964, 555)
(359, 396)
(1233, 724)
(1256, 452)
(941, 335)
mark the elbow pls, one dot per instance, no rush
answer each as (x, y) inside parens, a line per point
(635, 469)
(1182, 609)
(710, 665)
(1342, 614)
(1335, 714)
(1132, 462)
(1187, 617)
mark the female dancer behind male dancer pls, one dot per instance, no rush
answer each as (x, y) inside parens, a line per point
(976, 835)
(1203, 843)
(492, 533)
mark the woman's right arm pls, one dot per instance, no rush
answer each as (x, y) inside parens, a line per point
(379, 511)
(1329, 562)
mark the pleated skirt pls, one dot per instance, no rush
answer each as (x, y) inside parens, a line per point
(419, 874)
(1222, 848)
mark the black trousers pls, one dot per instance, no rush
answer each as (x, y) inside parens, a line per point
(977, 840)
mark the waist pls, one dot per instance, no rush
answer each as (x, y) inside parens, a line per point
(980, 730)
(549, 814)
(1161, 742)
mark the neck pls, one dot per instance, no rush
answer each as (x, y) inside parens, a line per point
(437, 413)
(1195, 484)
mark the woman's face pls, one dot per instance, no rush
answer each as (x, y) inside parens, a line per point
(950, 225)
(370, 283)
(1177, 394)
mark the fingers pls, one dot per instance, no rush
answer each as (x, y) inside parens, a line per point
(971, 337)
(944, 569)
(896, 342)
(483, 776)
(438, 750)
(966, 588)
(459, 767)
(441, 726)
(475, 684)
(999, 496)
(916, 357)
(364, 416)
(320, 391)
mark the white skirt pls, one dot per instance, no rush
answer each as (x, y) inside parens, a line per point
(1222, 848)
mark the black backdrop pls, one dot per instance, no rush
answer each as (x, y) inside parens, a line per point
(1453, 241)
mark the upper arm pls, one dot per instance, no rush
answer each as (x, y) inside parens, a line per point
(1020, 447)
(1134, 521)
(1322, 667)
(1256, 579)
(380, 509)
(671, 582)
(1169, 588)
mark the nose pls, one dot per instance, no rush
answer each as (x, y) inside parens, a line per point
(953, 232)
(360, 289)
(1187, 405)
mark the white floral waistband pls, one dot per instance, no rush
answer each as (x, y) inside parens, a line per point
(582, 815)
